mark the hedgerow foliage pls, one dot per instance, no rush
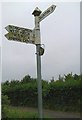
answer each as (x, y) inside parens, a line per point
(62, 94)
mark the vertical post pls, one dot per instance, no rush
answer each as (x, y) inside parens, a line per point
(36, 13)
(39, 81)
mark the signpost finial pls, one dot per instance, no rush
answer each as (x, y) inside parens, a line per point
(36, 12)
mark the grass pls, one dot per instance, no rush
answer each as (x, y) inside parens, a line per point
(18, 112)
(23, 112)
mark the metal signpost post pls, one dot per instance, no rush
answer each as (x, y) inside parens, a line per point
(32, 36)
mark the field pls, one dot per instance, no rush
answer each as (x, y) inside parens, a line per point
(24, 112)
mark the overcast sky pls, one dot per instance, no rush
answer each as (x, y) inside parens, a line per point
(60, 32)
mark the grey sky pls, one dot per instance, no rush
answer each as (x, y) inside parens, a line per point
(60, 32)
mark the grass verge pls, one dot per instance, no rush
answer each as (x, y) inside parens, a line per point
(18, 112)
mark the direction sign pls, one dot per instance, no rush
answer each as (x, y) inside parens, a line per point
(20, 34)
(47, 12)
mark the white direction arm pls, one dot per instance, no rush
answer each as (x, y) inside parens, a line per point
(47, 12)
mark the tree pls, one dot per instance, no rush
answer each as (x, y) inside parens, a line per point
(68, 77)
(26, 79)
(60, 78)
(5, 103)
(76, 77)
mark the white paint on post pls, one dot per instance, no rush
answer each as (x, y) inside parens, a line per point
(37, 30)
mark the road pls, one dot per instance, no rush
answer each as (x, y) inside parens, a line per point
(56, 114)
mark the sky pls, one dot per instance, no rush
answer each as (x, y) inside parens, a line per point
(60, 33)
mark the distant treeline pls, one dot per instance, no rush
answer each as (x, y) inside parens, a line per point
(62, 94)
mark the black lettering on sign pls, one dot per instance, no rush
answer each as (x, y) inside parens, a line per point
(45, 13)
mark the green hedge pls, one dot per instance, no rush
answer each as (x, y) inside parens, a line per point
(57, 95)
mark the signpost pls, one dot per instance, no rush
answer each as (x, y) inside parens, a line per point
(20, 34)
(47, 12)
(32, 36)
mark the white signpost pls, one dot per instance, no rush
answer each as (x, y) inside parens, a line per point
(32, 36)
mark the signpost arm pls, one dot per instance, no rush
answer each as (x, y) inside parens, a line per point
(36, 13)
